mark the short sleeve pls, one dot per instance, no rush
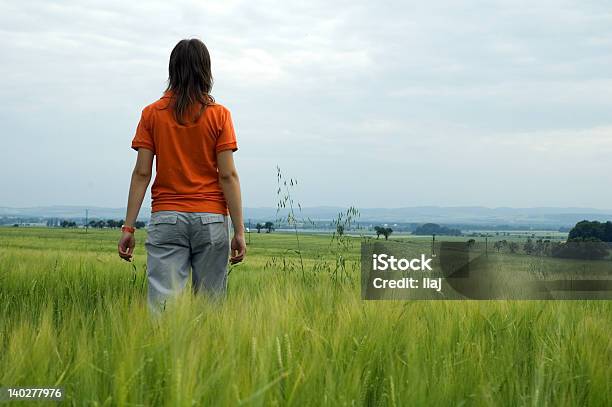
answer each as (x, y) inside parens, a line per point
(144, 136)
(227, 135)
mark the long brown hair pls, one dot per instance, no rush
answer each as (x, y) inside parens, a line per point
(189, 78)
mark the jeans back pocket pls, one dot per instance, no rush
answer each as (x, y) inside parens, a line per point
(162, 228)
(215, 227)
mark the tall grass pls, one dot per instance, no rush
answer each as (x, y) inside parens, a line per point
(75, 316)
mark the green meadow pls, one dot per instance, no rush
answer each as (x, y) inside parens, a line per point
(293, 330)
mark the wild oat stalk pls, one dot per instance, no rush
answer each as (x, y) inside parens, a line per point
(285, 201)
(341, 244)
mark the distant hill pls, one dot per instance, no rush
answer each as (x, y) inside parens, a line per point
(472, 215)
(463, 215)
(68, 212)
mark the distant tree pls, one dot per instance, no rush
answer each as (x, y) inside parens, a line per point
(513, 247)
(470, 243)
(259, 226)
(386, 232)
(586, 240)
(589, 230)
(542, 247)
(378, 230)
(528, 247)
(607, 233)
(547, 247)
(269, 226)
(139, 224)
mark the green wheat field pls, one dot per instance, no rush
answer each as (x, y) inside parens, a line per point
(73, 315)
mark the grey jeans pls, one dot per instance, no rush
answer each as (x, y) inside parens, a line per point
(180, 241)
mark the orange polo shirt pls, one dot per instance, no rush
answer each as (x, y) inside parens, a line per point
(186, 177)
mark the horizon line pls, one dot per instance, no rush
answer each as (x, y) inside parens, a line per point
(333, 207)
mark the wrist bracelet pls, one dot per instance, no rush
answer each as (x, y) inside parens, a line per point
(128, 229)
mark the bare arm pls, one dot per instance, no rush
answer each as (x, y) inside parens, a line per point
(141, 177)
(230, 183)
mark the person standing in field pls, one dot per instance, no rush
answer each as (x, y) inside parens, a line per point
(196, 184)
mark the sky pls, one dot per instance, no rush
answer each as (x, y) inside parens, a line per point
(372, 104)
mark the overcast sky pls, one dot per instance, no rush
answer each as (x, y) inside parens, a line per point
(374, 104)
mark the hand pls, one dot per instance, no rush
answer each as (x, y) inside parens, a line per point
(126, 246)
(238, 247)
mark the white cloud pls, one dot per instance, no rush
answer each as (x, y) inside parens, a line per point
(349, 94)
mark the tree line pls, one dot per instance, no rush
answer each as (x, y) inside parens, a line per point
(113, 224)
(585, 229)
(100, 224)
(435, 229)
(588, 240)
(268, 226)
